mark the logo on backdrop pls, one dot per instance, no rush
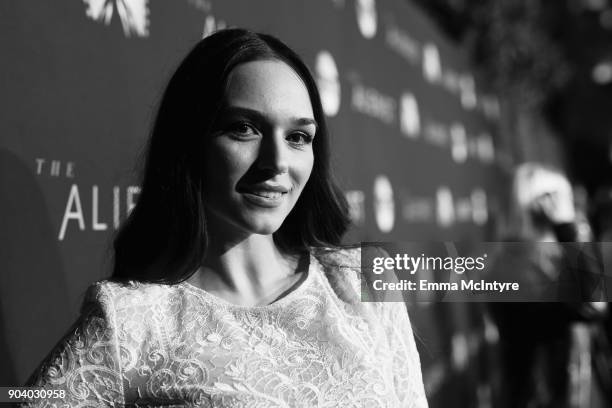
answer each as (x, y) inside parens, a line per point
(134, 14)
(76, 212)
(356, 199)
(89, 216)
(328, 82)
(366, 17)
(459, 143)
(373, 103)
(480, 211)
(432, 67)
(384, 207)
(486, 150)
(445, 207)
(410, 122)
(467, 91)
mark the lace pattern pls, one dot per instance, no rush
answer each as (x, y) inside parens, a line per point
(177, 345)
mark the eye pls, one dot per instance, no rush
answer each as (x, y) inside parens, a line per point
(243, 129)
(299, 138)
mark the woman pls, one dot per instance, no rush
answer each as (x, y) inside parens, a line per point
(226, 288)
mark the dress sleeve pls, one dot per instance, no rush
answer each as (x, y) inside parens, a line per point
(407, 377)
(84, 366)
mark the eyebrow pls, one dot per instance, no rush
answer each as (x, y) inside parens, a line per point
(255, 113)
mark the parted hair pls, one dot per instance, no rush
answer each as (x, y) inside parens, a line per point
(165, 237)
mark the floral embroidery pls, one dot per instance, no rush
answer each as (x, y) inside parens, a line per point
(178, 345)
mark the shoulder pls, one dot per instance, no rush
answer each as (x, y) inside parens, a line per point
(342, 267)
(339, 257)
(349, 256)
(115, 296)
(138, 314)
(347, 264)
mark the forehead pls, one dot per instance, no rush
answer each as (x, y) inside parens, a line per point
(269, 86)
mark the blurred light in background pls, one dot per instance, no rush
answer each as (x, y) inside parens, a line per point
(605, 19)
(595, 4)
(602, 72)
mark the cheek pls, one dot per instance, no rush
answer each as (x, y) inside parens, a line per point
(303, 169)
(227, 163)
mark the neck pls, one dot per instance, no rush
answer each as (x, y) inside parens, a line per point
(250, 271)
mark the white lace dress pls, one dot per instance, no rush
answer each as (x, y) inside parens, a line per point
(177, 345)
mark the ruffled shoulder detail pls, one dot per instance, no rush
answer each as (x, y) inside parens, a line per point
(125, 295)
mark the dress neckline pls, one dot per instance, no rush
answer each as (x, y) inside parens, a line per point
(290, 295)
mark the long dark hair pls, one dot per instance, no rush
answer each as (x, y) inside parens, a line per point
(165, 237)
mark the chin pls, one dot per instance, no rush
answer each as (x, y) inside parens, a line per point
(264, 228)
(263, 221)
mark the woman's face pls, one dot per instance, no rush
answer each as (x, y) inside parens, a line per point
(259, 156)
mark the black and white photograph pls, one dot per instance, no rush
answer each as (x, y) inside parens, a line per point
(296, 204)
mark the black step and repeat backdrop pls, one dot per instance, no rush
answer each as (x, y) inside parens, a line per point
(413, 139)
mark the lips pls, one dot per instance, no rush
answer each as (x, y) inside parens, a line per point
(266, 195)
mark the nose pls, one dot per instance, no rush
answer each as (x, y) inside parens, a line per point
(273, 153)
